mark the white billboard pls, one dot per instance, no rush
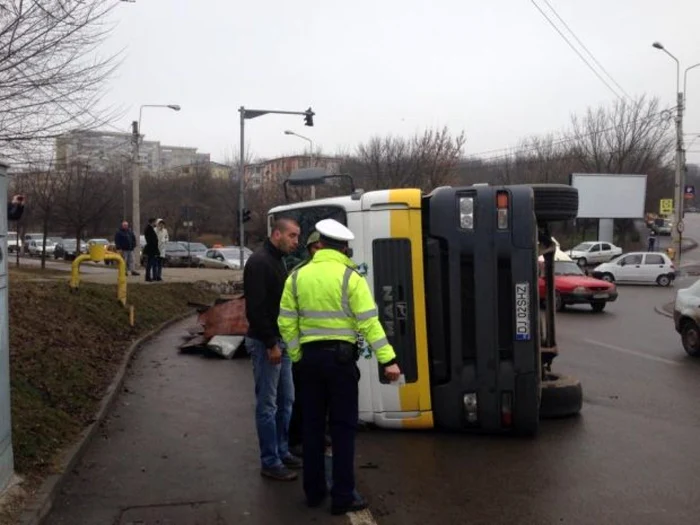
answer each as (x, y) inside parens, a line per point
(610, 196)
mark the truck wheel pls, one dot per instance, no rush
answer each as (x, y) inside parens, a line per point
(555, 202)
(562, 396)
(690, 336)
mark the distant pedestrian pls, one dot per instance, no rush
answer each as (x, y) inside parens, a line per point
(15, 208)
(651, 242)
(163, 239)
(151, 249)
(125, 242)
(263, 281)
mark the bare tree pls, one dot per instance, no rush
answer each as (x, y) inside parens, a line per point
(424, 161)
(85, 198)
(43, 186)
(50, 76)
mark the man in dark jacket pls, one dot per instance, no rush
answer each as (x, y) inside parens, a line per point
(263, 282)
(151, 249)
(15, 208)
(125, 242)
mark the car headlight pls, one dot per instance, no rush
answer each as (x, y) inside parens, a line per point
(466, 213)
(581, 290)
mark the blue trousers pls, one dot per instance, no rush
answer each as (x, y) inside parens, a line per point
(328, 386)
(274, 396)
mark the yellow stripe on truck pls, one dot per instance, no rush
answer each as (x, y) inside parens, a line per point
(407, 224)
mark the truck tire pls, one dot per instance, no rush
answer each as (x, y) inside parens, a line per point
(562, 396)
(555, 202)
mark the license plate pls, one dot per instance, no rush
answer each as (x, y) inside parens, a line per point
(600, 296)
(522, 311)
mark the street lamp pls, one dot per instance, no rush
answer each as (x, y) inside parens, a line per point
(680, 155)
(311, 153)
(250, 114)
(135, 183)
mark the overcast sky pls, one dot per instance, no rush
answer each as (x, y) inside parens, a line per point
(493, 68)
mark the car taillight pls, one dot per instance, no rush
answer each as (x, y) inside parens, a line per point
(507, 409)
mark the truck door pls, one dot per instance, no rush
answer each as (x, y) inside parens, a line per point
(392, 233)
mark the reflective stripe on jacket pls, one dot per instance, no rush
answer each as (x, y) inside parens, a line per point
(326, 299)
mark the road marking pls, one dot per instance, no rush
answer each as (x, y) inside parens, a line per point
(633, 352)
(364, 517)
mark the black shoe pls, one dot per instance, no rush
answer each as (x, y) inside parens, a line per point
(280, 473)
(292, 461)
(148, 280)
(357, 505)
(159, 279)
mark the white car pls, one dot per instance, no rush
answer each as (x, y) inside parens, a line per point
(594, 252)
(638, 267)
(35, 247)
(229, 257)
(686, 318)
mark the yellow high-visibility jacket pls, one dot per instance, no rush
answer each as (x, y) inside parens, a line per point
(326, 299)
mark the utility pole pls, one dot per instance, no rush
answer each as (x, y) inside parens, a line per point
(679, 185)
(135, 188)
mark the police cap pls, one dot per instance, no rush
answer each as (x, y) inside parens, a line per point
(333, 231)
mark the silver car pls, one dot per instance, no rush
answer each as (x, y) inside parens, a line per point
(225, 258)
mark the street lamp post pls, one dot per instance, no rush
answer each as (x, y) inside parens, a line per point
(249, 114)
(135, 181)
(311, 153)
(680, 156)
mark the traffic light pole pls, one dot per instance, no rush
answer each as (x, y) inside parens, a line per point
(248, 114)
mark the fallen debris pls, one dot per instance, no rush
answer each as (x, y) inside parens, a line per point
(220, 327)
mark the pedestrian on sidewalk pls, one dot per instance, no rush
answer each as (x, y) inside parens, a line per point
(651, 242)
(151, 249)
(324, 304)
(125, 242)
(263, 281)
(163, 239)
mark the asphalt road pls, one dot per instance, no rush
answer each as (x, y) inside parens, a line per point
(629, 458)
(180, 446)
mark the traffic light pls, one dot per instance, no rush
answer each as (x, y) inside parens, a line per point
(309, 118)
(246, 215)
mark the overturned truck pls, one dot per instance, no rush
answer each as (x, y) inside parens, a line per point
(454, 274)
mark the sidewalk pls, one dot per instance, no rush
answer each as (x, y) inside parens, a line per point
(180, 448)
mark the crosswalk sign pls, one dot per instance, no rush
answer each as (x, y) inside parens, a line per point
(665, 206)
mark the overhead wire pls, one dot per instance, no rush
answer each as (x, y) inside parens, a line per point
(586, 48)
(551, 22)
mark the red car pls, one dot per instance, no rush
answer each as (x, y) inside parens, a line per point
(572, 286)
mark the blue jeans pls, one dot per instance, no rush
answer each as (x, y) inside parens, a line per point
(274, 396)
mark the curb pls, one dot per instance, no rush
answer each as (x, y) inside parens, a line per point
(41, 503)
(659, 310)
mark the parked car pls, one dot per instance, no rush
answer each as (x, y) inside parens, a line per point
(686, 318)
(638, 267)
(594, 252)
(37, 245)
(67, 249)
(175, 255)
(195, 250)
(228, 257)
(14, 243)
(662, 227)
(28, 238)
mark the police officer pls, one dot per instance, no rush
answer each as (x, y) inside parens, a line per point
(324, 304)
